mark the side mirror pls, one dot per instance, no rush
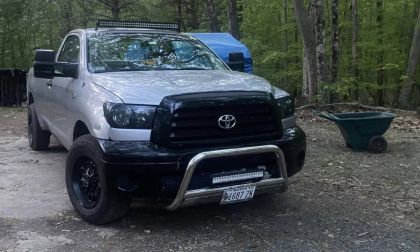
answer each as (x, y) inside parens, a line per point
(237, 61)
(65, 69)
(44, 64)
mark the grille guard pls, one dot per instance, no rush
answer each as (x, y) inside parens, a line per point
(186, 197)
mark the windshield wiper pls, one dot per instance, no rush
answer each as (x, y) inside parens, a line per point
(193, 68)
(133, 68)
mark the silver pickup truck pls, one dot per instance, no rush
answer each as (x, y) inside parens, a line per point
(148, 112)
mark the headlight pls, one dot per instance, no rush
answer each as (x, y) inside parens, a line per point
(286, 106)
(120, 115)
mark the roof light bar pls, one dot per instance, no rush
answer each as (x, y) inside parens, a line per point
(137, 24)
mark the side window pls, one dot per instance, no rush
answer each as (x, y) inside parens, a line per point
(70, 50)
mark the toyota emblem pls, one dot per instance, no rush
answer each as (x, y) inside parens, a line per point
(227, 121)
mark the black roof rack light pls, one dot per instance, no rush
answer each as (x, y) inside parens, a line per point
(137, 24)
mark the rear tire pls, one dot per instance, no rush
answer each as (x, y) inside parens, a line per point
(38, 139)
(93, 198)
(377, 144)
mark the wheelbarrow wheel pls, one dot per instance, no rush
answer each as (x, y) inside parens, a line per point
(377, 144)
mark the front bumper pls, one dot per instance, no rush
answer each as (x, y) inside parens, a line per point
(187, 197)
(138, 167)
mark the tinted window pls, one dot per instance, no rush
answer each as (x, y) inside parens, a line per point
(70, 51)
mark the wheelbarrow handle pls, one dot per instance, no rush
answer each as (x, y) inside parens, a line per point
(325, 115)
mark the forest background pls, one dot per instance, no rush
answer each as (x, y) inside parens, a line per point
(325, 51)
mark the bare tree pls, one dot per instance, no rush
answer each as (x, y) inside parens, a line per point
(306, 22)
(212, 16)
(411, 66)
(335, 56)
(179, 15)
(380, 60)
(320, 43)
(233, 18)
(286, 37)
(354, 43)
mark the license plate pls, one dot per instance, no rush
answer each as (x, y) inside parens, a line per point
(235, 194)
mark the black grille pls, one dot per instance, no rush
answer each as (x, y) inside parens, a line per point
(193, 120)
(202, 124)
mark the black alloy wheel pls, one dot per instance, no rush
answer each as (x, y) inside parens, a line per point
(86, 183)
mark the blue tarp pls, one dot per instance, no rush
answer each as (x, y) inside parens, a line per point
(223, 44)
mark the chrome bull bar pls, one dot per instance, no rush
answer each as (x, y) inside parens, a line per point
(186, 197)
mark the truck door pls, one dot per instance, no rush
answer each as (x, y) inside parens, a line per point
(41, 91)
(63, 87)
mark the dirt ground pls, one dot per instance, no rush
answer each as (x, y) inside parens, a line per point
(341, 201)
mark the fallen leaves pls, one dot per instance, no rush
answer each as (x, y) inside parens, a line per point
(407, 123)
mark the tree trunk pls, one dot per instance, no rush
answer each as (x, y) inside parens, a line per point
(416, 7)
(320, 43)
(66, 18)
(85, 15)
(411, 66)
(212, 16)
(115, 9)
(3, 47)
(193, 11)
(335, 43)
(335, 53)
(115, 6)
(179, 15)
(286, 37)
(380, 60)
(306, 27)
(355, 39)
(233, 18)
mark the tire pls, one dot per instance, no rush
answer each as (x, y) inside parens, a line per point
(38, 139)
(377, 144)
(94, 199)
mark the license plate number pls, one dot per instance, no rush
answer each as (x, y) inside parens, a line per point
(236, 194)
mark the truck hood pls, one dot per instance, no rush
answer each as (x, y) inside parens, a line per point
(150, 87)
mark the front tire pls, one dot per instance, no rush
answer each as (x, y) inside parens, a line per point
(90, 194)
(38, 139)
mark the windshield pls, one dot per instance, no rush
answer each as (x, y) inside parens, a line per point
(111, 52)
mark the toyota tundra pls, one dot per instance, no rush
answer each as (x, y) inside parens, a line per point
(148, 112)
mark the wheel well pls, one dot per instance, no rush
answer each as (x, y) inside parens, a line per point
(30, 99)
(80, 129)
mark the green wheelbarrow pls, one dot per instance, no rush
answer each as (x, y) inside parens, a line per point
(362, 130)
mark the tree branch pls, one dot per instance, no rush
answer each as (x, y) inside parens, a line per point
(127, 4)
(105, 2)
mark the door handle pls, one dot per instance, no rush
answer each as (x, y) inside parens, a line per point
(49, 83)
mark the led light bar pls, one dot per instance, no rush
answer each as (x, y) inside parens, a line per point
(238, 177)
(137, 24)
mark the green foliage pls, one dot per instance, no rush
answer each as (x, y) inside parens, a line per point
(267, 27)
(269, 30)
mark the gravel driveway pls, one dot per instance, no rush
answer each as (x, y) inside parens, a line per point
(342, 201)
